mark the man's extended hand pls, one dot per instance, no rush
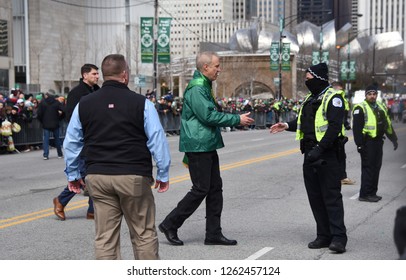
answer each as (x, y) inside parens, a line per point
(245, 120)
(161, 186)
(395, 145)
(76, 186)
(278, 127)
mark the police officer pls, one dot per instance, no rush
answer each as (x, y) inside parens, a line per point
(318, 127)
(370, 123)
(346, 126)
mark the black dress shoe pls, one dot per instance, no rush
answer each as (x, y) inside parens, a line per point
(171, 235)
(337, 247)
(219, 240)
(318, 244)
(371, 198)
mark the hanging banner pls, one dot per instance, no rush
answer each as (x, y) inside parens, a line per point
(352, 71)
(315, 57)
(325, 56)
(343, 70)
(286, 56)
(274, 56)
(147, 39)
(163, 43)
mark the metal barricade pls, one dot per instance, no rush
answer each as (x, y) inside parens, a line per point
(260, 119)
(31, 133)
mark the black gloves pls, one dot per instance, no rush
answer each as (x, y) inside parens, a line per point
(360, 149)
(314, 154)
(395, 145)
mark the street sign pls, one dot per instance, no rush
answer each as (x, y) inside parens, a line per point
(139, 81)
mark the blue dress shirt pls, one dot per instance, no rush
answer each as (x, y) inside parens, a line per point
(157, 144)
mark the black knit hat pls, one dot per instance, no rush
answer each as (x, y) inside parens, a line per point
(371, 88)
(319, 71)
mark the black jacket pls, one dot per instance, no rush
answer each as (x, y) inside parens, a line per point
(48, 113)
(82, 89)
(334, 116)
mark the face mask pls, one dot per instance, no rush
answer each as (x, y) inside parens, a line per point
(315, 85)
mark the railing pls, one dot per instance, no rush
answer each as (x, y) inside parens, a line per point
(31, 133)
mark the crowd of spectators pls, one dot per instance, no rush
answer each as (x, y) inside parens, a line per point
(275, 110)
(20, 108)
(17, 108)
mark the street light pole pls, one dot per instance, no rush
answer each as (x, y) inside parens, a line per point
(281, 26)
(348, 55)
(155, 46)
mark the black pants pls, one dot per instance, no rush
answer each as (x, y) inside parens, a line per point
(323, 186)
(204, 169)
(371, 162)
(342, 157)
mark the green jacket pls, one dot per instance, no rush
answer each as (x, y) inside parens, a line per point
(201, 122)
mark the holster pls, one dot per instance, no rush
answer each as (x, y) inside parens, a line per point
(340, 147)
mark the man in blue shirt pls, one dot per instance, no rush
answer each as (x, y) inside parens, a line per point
(120, 132)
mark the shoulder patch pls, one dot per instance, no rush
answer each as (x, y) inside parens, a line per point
(356, 112)
(337, 102)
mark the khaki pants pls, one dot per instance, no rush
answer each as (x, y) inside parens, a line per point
(131, 196)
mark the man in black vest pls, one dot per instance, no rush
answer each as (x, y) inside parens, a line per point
(119, 130)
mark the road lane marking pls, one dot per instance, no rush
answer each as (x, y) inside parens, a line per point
(259, 253)
(83, 203)
(355, 196)
(258, 139)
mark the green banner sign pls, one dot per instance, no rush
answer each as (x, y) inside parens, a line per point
(164, 46)
(325, 56)
(343, 70)
(274, 56)
(286, 56)
(315, 57)
(352, 70)
(147, 39)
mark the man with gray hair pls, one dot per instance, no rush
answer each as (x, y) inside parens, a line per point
(200, 137)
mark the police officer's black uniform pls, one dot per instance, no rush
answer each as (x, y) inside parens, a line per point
(321, 168)
(371, 149)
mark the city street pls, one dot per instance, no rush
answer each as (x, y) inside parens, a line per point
(265, 206)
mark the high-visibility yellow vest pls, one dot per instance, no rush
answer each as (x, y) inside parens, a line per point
(370, 127)
(321, 122)
(346, 107)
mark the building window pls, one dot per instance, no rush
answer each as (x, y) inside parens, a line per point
(3, 38)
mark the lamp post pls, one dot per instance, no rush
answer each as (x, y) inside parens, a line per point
(338, 47)
(348, 84)
(282, 26)
(155, 58)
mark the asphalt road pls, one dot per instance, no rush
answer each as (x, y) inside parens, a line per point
(265, 206)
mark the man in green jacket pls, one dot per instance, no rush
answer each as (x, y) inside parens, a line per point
(200, 138)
